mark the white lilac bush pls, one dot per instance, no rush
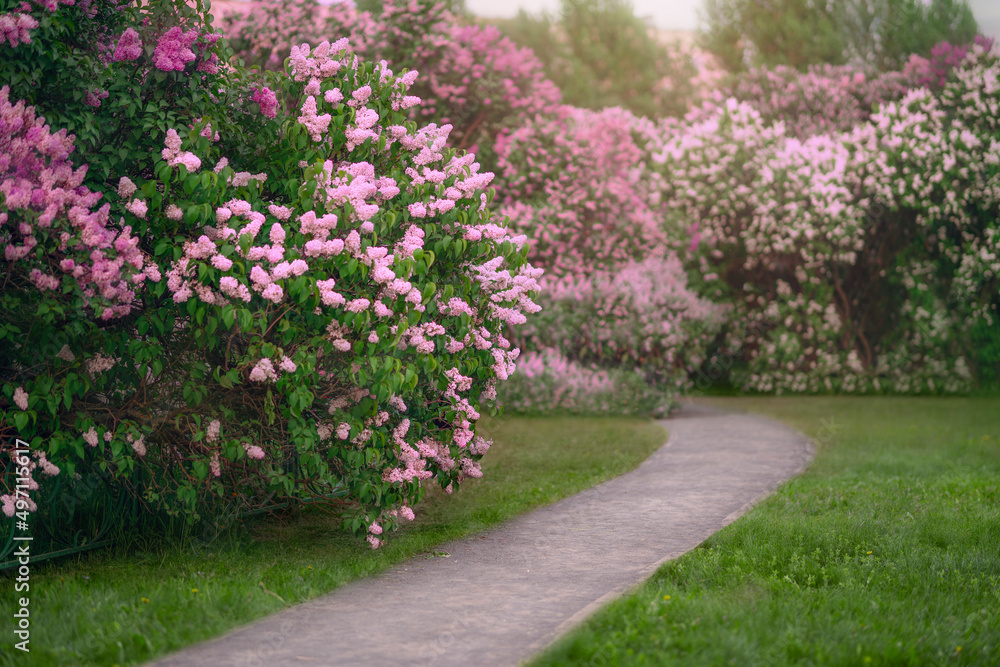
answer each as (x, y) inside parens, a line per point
(860, 259)
(294, 293)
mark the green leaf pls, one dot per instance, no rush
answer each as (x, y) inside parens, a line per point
(21, 420)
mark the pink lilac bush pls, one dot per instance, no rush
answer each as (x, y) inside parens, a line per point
(173, 49)
(16, 26)
(322, 318)
(933, 72)
(578, 182)
(823, 99)
(546, 381)
(128, 47)
(471, 77)
(51, 225)
(267, 101)
(641, 316)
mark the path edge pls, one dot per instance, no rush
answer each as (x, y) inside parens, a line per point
(807, 455)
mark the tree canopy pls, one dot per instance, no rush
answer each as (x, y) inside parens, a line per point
(799, 33)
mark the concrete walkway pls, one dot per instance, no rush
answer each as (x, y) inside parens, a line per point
(505, 595)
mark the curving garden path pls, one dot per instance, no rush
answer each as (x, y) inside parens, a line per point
(500, 597)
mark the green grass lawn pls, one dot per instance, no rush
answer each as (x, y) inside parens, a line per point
(885, 552)
(109, 608)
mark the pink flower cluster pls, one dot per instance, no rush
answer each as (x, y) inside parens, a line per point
(25, 467)
(174, 156)
(94, 97)
(579, 184)
(265, 370)
(129, 46)
(16, 26)
(253, 451)
(21, 398)
(45, 204)
(175, 48)
(267, 100)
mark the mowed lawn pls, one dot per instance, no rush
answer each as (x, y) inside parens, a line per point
(125, 607)
(885, 552)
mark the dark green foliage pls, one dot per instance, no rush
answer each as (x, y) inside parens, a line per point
(985, 339)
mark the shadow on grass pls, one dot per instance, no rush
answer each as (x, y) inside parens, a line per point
(128, 605)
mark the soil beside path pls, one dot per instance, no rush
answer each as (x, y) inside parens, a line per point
(502, 596)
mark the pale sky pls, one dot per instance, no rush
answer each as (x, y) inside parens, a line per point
(667, 14)
(683, 14)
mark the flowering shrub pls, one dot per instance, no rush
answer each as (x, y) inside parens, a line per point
(299, 294)
(577, 181)
(640, 316)
(824, 98)
(472, 77)
(849, 255)
(944, 57)
(546, 381)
